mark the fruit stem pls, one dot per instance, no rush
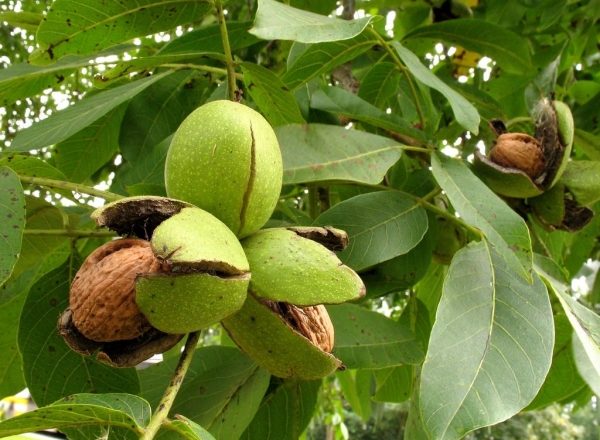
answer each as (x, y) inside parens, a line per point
(77, 233)
(404, 71)
(166, 402)
(70, 186)
(231, 86)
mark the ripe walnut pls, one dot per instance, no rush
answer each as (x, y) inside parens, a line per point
(520, 151)
(312, 322)
(102, 297)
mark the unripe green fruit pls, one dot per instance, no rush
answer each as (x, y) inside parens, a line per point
(283, 325)
(225, 159)
(288, 267)
(272, 340)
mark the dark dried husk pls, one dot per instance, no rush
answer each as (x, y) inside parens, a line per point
(120, 354)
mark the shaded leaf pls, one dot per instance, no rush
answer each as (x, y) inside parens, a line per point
(79, 27)
(366, 339)
(208, 39)
(221, 391)
(284, 413)
(563, 380)
(585, 367)
(52, 370)
(115, 409)
(315, 59)
(11, 371)
(356, 386)
(21, 80)
(188, 429)
(490, 347)
(157, 112)
(464, 112)
(84, 153)
(12, 213)
(496, 42)
(318, 152)
(585, 324)
(63, 124)
(338, 100)
(379, 84)
(582, 178)
(394, 384)
(481, 208)
(380, 226)
(277, 21)
(271, 95)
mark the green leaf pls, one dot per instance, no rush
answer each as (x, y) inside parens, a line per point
(489, 39)
(80, 27)
(356, 386)
(563, 380)
(585, 367)
(157, 112)
(271, 95)
(12, 213)
(64, 124)
(379, 84)
(394, 384)
(586, 143)
(464, 112)
(84, 153)
(39, 254)
(380, 226)
(340, 101)
(188, 429)
(490, 347)
(80, 410)
(366, 339)
(222, 390)
(316, 59)
(52, 370)
(481, 208)
(146, 175)
(208, 39)
(582, 178)
(285, 412)
(277, 21)
(18, 81)
(11, 370)
(585, 324)
(318, 152)
(31, 166)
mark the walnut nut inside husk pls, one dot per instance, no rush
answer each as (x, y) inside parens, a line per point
(102, 296)
(519, 151)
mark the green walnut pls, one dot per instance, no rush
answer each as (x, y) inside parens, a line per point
(283, 325)
(225, 159)
(178, 270)
(523, 166)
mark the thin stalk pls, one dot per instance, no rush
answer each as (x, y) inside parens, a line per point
(201, 67)
(231, 86)
(166, 402)
(75, 233)
(404, 71)
(313, 201)
(70, 186)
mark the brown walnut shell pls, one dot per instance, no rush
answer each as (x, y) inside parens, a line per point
(102, 296)
(519, 151)
(312, 322)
